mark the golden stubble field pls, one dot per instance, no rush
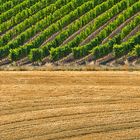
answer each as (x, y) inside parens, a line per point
(69, 105)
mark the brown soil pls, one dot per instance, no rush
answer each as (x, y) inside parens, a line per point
(69, 105)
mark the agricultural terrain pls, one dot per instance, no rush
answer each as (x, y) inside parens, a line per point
(69, 106)
(69, 32)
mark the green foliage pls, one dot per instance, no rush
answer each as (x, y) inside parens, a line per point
(137, 50)
(66, 49)
(39, 28)
(35, 55)
(85, 50)
(5, 5)
(8, 14)
(62, 22)
(39, 19)
(124, 48)
(24, 14)
(102, 50)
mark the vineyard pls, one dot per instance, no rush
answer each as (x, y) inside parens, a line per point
(69, 32)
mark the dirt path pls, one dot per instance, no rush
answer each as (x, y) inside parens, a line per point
(69, 105)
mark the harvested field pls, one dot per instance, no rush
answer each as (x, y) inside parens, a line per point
(70, 105)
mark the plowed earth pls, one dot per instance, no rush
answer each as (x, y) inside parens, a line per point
(70, 105)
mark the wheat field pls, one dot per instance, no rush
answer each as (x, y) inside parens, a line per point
(69, 105)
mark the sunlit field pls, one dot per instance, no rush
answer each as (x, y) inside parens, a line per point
(69, 105)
